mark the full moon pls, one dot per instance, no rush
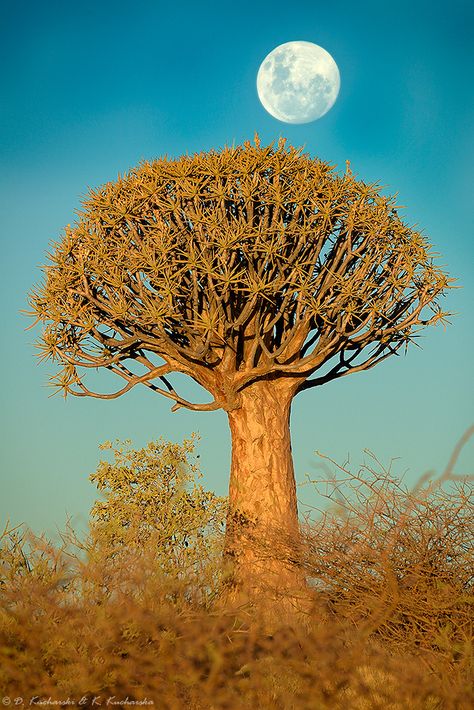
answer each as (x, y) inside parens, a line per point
(298, 82)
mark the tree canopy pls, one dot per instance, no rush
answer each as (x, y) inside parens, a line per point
(234, 266)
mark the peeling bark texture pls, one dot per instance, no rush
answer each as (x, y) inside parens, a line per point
(262, 534)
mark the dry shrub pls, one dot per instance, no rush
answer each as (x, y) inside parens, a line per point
(145, 641)
(390, 626)
(397, 564)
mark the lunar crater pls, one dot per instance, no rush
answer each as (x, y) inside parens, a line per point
(298, 82)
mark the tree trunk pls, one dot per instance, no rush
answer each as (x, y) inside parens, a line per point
(262, 534)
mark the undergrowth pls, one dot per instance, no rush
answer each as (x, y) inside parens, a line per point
(130, 614)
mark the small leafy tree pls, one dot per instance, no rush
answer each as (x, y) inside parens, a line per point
(151, 497)
(260, 273)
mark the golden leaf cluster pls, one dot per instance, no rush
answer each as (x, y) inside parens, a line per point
(229, 266)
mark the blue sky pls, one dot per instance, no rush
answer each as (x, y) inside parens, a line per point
(91, 89)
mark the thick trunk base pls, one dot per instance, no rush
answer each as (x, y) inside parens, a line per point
(262, 534)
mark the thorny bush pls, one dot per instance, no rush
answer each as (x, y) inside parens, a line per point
(390, 579)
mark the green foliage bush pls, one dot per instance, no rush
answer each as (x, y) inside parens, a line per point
(153, 504)
(133, 610)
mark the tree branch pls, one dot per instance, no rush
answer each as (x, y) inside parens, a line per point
(336, 372)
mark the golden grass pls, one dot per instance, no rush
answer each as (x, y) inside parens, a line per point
(390, 624)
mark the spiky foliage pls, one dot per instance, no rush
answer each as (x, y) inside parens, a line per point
(232, 266)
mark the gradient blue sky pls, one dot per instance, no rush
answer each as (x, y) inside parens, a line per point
(88, 90)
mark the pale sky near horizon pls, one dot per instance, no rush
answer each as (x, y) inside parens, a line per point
(88, 91)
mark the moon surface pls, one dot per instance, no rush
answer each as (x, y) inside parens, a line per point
(298, 82)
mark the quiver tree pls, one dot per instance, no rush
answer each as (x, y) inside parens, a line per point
(257, 271)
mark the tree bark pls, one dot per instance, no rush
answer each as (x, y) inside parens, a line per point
(262, 534)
